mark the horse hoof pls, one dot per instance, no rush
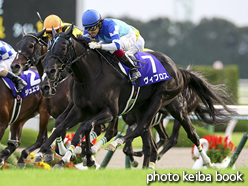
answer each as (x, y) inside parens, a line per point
(134, 163)
(110, 147)
(59, 165)
(56, 166)
(91, 165)
(212, 165)
(21, 165)
(73, 157)
(38, 158)
(48, 158)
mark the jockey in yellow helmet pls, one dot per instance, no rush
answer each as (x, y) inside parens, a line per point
(56, 22)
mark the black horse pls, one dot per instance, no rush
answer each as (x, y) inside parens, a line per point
(100, 95)
(31, 51)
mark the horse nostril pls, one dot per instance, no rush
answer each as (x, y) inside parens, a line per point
(46, 88)
(15, 67)
(53, 71)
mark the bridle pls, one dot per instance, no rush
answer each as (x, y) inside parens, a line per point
(36, 56)
(67, 60)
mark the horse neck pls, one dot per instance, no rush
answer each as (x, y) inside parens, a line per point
(40, 69)
(87, 68)
(39, 65)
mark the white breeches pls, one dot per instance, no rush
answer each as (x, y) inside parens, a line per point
(129, 44)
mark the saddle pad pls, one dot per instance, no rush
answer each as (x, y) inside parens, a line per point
(153, 71)
(33, 80)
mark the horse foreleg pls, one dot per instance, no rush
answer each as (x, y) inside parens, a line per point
(59, 120)
(111, 131)
(104, 116)
(70, 121)
(42, 137)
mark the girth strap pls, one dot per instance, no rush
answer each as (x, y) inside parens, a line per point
(132, 99)
(16, 109)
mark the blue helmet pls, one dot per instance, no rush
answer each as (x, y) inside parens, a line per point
(91, 18)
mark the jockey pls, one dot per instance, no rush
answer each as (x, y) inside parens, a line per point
(55, 22)
(115, 36)
(7, 55)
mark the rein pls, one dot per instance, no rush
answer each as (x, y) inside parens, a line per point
(67, 61)
(110, 64)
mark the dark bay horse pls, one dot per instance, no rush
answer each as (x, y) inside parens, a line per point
(31, 105)
(31, 51)
(100, 95)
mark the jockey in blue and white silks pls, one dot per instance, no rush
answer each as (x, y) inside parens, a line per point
(7, 55)
(115, 36)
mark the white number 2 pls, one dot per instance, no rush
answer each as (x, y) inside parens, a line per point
(32, 78)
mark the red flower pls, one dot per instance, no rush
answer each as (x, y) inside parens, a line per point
(218, 144)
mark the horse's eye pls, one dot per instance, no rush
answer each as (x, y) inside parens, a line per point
(63, 49)
(31, 45)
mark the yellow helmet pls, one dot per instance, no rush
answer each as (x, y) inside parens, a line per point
(52, 20)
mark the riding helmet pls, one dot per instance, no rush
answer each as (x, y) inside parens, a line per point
(91, 18)
(52, 20)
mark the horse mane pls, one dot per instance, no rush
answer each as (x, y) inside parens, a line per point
(85, 43)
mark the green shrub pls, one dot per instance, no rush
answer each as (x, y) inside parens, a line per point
(229, 76)
(241, 126)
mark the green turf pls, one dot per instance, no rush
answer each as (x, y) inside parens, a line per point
(110, 177)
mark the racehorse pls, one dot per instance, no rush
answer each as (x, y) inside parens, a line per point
(31, 51)
(100, 95)
(31, 105)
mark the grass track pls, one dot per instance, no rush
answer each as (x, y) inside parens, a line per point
(108, 177)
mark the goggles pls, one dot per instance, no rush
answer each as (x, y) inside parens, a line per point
(92, 28)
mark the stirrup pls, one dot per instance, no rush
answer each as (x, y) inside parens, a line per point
(134, 78)
(21, 85)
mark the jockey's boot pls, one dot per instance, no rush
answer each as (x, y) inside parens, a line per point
(19, 82)
(134, 73)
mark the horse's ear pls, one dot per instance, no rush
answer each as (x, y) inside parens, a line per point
(53, 32)
(40, 34)
(23, 32)
(49, 43)
(69, 31)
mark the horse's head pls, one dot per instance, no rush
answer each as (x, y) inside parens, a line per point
(47, 86)
(60, 53)
(29, 51)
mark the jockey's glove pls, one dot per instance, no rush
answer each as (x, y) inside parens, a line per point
(94, 45)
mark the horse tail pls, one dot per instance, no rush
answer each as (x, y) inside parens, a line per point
(209, 95)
